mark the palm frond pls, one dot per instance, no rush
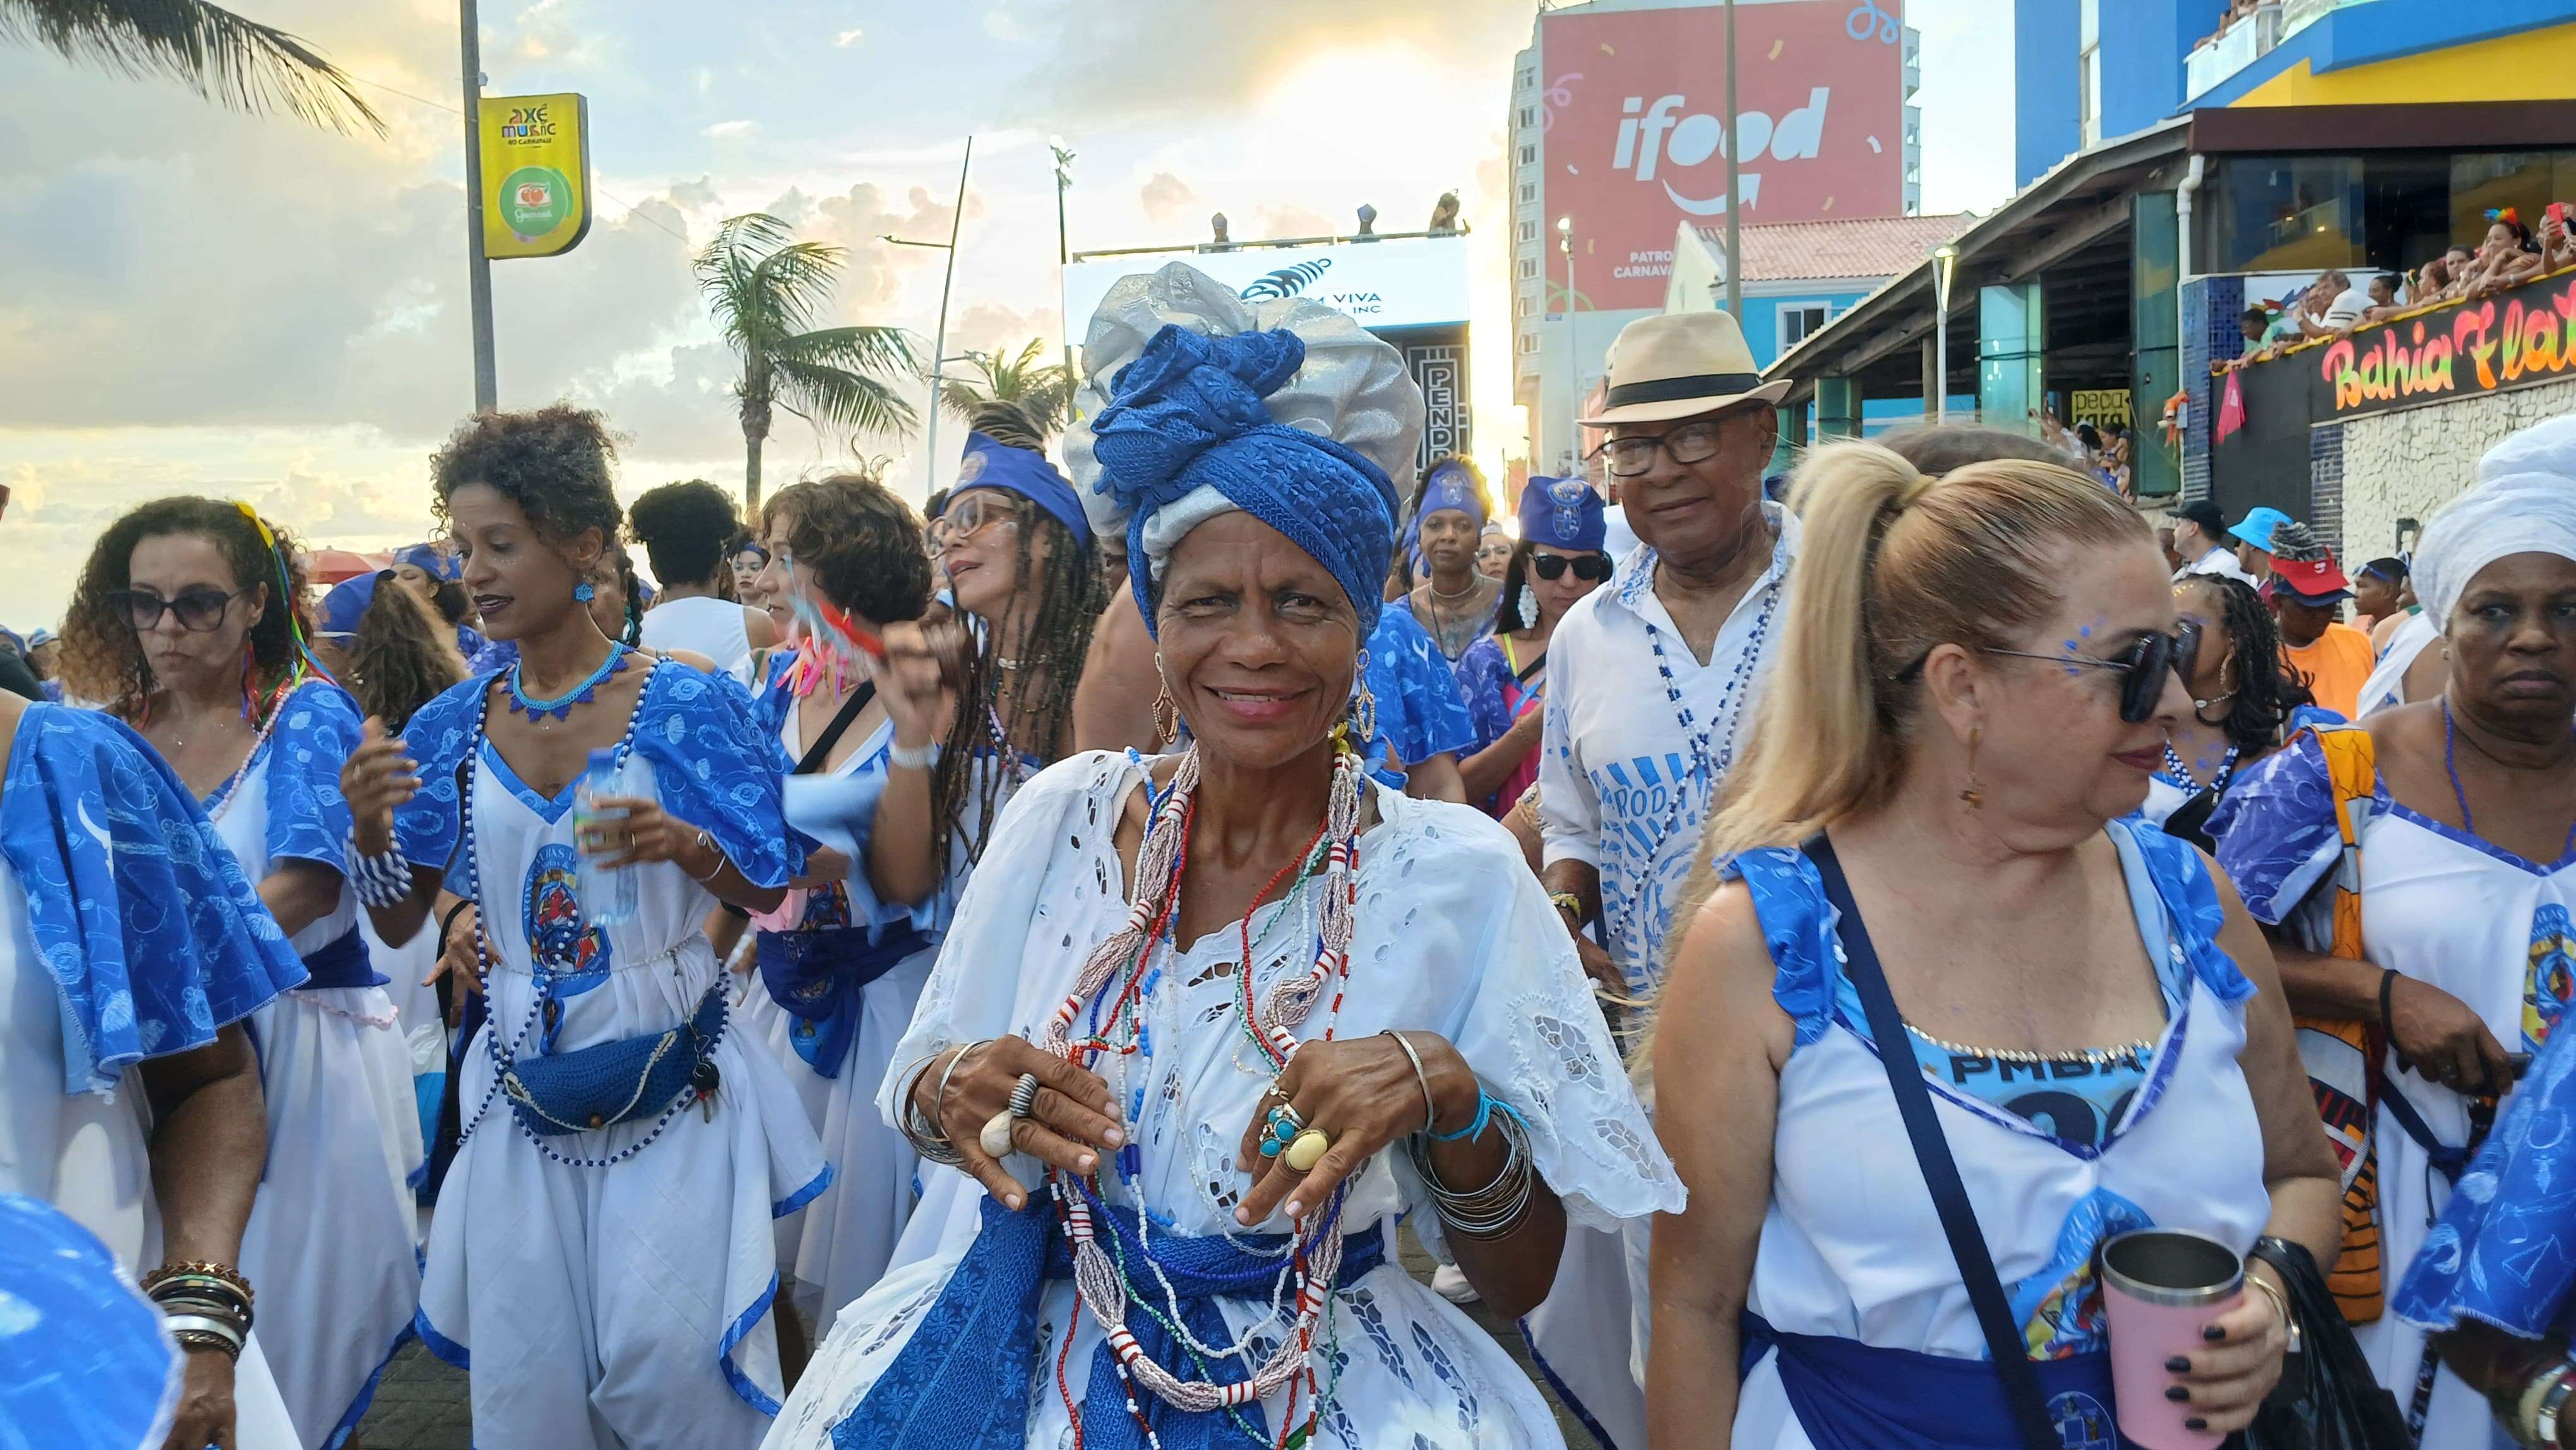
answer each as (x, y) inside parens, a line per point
(235, 62)
(828, 395)
(877, 352)
(800, 278)
(728, 276)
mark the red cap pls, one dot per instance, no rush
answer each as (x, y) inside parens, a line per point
(2316, 581)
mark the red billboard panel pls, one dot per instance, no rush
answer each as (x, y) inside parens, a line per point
(1636, 142)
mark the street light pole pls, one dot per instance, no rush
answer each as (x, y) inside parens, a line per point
(1063, 260)
(939, 343)
(1734, 195)
(478, 267)
(1573, 365)
(1944, 258)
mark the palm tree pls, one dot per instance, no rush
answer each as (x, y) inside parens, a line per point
(764, 290)
(230, 60)
(1043, 388)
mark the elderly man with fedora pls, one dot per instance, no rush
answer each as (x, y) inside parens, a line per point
(1652, 678)
(1650, 688)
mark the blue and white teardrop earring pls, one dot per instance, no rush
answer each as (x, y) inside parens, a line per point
(584, 592)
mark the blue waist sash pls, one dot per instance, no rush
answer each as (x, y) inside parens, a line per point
(818, 978)
(342, 962)
(962, 1381)
(1854, 1396)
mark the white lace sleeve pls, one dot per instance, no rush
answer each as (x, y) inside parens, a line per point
(974, 990)
(1533, 1033)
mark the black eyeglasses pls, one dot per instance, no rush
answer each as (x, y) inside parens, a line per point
(2142, 667)
(1590, 568)
(1689, 443)
(200, 611)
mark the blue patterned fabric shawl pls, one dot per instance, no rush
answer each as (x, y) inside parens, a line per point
(1419, 710)
(712, 766)
(2504, 1250)
(308, 818)
(154, 937)
(2276, 831)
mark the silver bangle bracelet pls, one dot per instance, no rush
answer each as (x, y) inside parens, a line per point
(1430, 1109)
(1495, 1210)
(230, 1335)
(928, 1139)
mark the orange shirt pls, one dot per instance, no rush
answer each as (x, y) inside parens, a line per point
(2337, 665)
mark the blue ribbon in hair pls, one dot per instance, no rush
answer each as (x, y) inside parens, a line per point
(961, 1382)
(1188, 413)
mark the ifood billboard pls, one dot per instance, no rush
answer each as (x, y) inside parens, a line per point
(1412, 282)
(1635, 139)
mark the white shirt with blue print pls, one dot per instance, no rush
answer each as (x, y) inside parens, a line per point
(1618, 787)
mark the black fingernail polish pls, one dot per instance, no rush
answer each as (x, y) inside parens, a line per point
(2213, 1334)
(2195, 1423)
(2177, 1393)
(2178, 1365)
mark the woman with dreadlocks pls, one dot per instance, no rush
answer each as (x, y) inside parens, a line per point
(2241, 699)
(186, 621)
(1018, 555)
(1206, 1025)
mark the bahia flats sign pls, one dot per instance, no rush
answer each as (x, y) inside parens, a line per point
(1401, 282)
(2512, 339)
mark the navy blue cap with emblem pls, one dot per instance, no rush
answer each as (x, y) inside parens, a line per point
(1562, 513)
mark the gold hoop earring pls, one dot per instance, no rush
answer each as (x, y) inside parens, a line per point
(1974, 793)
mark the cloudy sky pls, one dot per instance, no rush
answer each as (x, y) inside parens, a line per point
(192, 300)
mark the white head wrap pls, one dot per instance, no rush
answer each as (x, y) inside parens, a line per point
(2548, 447)
(1353, 388)
(2518, 513)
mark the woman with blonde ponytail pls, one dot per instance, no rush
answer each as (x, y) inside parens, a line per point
(1974, 681)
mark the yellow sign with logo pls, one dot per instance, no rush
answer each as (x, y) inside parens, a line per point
(2100, 406)
(536, 174)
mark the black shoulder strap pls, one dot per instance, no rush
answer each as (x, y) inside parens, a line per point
(1932, 1154)
(821, 749)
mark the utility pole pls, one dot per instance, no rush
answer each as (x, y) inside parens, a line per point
(1063, 261)
(478, 268)
(939, 358)
(1734, 195)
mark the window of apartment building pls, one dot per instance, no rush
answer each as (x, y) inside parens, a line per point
(1529, 341)
(1800, 320)
(1529, 268)
(2088, 73)
(1529, 115)
(1529, 231)
(1529, 191)
(1529, 156)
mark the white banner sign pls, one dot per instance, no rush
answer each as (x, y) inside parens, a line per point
(1414, 282)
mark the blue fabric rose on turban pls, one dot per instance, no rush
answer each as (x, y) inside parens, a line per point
(1187, 415)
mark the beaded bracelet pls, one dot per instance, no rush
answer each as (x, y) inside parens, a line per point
(221, 1273)
(383, 882)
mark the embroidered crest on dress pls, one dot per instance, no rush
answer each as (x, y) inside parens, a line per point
(567, 950)
(2551, 982)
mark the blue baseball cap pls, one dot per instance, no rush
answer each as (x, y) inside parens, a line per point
(2256, 527)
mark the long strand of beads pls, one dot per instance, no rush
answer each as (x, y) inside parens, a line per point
(216, 804)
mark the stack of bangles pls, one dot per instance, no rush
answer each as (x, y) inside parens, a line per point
(2531, 1411)
(926, 1137)
(207, 1306)
(1495, 1210)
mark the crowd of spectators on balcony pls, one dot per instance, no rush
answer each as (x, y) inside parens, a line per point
(2509, 254)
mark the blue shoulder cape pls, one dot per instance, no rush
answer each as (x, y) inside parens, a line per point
(712, 767)
(308, 818)
(154, 938)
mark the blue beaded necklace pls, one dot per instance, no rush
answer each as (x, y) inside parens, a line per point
(2181, 774)
(561, 706)
(1730, 705)
(2459, 792)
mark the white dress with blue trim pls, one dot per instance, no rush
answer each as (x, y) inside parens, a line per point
(331, 1240)
(126, 933)
(1453, 935)
(1851, 1246)
(839, 1245)
(2443, 907)
(624, 1307)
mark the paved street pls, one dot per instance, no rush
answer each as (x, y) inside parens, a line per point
(421, 1403)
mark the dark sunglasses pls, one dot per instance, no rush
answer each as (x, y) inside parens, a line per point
(1590, 568)
(2142, 667)
(200, 611)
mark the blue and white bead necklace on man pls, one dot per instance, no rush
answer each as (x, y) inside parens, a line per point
(1730, 705)
(560, 707)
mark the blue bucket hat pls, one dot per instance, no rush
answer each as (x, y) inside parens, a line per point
(2256, 527)
(1563, 513)
(1186, 426)
(990, 464)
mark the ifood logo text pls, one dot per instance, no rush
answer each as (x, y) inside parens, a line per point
(1657, 136)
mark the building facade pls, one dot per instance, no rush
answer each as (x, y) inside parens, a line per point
(1613, 150)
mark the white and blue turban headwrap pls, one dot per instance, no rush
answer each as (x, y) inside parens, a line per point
(1288, 411)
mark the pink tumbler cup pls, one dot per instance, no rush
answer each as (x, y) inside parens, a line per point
(2160, 1288)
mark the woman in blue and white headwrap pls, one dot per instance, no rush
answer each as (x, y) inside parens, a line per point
(1184, 1173)
(1454, 602)
(2463, 864)
(132, 949)
(1558, 560)
(187, 619)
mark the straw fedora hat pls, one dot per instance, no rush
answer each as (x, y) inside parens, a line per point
(1680, 365)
